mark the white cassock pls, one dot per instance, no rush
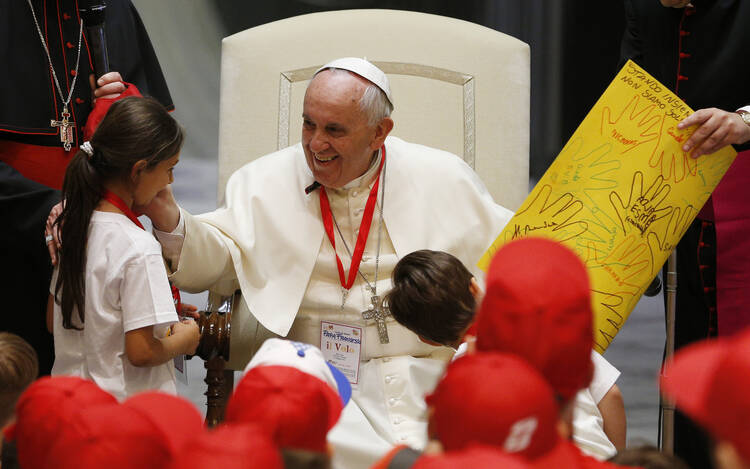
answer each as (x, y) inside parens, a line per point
(270, 241)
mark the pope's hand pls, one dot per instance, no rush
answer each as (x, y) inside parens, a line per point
(716, 129)
(162, 210)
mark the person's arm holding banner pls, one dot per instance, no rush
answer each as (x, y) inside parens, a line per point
(716, 129)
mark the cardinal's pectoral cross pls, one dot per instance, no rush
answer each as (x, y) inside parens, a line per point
(66, 128)
(378, 312)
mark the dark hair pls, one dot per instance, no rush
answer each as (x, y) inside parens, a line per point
(295, 458)
(431, 296)
(133, 129)
(18, 368)
(647, 457)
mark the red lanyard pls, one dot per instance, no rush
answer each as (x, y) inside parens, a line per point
(364, 228)
(115, 200)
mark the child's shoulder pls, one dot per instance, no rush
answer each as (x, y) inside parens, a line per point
(116, 232)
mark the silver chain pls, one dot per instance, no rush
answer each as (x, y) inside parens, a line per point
(49, 58)
(373, 286)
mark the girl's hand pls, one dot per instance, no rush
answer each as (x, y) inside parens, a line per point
(189, 311)
(189, 334)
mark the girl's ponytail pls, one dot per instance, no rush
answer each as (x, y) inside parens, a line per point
(81, 192)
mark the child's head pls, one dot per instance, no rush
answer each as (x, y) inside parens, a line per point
(433, 295)
(131, 153)
(647, 457)
(18, 369)
(494, 399)
(708, 381)
(538, 306)
(291, 391)
(136, 136)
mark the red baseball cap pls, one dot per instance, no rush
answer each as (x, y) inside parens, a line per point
(538, 306)
(112, 436)
(494, 399)
(709, 382)
(175, 418)
(46, 409)
(478, 456)
(229, 446)
(295, 407)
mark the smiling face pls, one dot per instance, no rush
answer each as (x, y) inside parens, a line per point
(150, 181)
(337, 140)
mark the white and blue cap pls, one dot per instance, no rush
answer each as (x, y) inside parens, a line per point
(366, 70)
(304, 357)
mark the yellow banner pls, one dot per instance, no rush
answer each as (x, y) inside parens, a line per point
(621, 193)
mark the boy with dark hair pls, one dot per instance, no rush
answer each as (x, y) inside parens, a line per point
(434, 295)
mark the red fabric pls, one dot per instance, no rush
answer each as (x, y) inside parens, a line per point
(46, 409)
(102, 106)
(732, 218)
(229, 447)
(708, 381)
(298, 409)
(494, 399)
(176, 420)
(538, 306)
(45, 165)
(476, 457)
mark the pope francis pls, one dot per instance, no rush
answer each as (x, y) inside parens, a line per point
(311, 233)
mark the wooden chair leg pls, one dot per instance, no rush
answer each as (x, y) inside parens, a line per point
(220, 383)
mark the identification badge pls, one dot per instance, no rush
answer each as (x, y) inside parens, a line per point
(342, 345)
(180, 367)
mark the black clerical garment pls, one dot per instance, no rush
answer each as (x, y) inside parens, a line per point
(28, 97)
(700, 52)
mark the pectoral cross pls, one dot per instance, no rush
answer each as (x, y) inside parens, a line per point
(378, 312)
(66, 128)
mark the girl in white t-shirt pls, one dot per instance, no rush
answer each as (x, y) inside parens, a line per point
(110, 307)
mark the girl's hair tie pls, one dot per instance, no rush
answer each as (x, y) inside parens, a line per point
(87, 148)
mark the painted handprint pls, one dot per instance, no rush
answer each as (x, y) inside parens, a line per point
(638, 123)
(610, 313)
(592, 168)
(626, 269)
(550, 216)
(662, 241)
(641, 208)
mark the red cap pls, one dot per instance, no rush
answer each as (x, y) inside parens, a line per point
(569, 456)
(494, 399)
(538, 306)
(485, 457)
(111, 436)
(176, 419)
(297, 408)
(709, 382)
(239, 446)
(46, 409)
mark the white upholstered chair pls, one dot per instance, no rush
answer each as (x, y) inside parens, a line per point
(457, 86)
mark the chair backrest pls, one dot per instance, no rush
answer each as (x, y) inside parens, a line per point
(457, 86)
